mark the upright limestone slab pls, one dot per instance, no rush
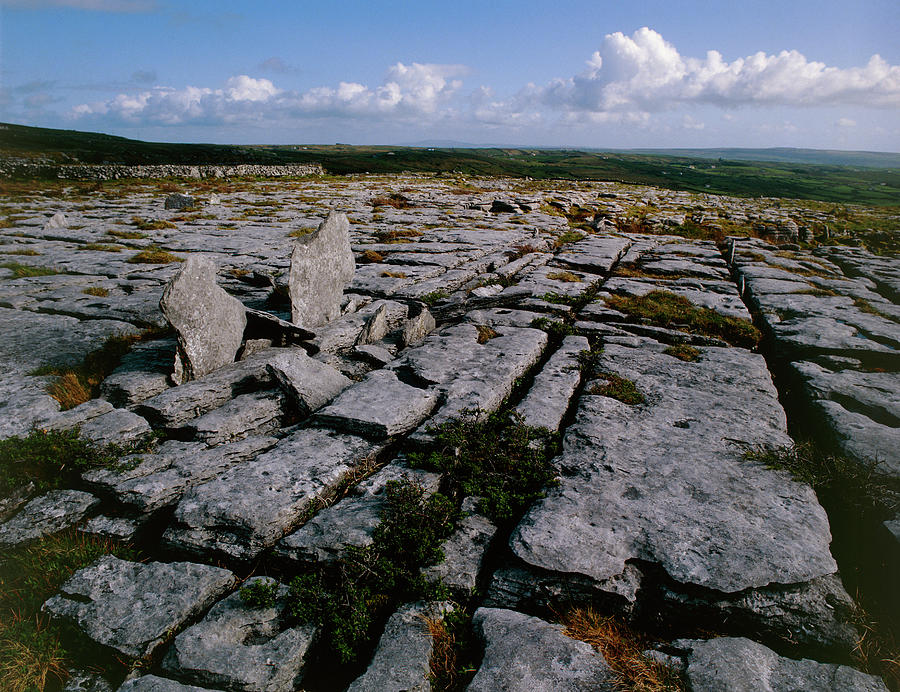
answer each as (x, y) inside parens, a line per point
(321, 267)
(210, 323)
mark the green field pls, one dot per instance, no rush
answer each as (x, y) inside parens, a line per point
(829, 183)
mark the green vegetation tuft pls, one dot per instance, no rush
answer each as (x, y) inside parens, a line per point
(555, 328)
(260, 594)
(619, 388)
(433, 297)
(504, 462)
(151, 224)
(21, 271)
(666, 309)
(98, 291)
(367, 583)
(154, 255)
(126, 235)
(688, 354)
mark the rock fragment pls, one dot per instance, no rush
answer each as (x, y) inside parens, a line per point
(308, 383)
(178, 201)
(209, 322)
(48, 514)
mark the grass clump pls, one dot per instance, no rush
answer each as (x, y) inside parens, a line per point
(32, 653)
(623, 650)
(371, 257)
(485, 333)
(567, 277)
(455, 651)
(300, 232)
(561, 299)
(433, 297)
(260, 594)
(126, 235)
(395, 200)
(75, 385)
(397, 235)
(504, 462)
(666, 309)
(555, 328)
(865, 306)
(393, 275)
(21, 253)
(617, 387)
(22, 271)
(101, 247)
(98, 291)
(154, 255)
(151, 224)
(567, 237)
(367, 583)
(688, 354)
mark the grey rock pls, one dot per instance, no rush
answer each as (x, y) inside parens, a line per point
(548, 399)
(266, 326)
(402, 661)
(116, 528)
(375, 327)
(596, 253)
(308, 383)
(148, 482)
(177, 405)
(464, 551)
(82, 681)
(209, 322)
(178, 201)
(379, 406)
(58, 220)
(651, 481)
(374, 355)
(258, 413)
(737, 664)
(417, 328)
(50, 513)
(132, 607)
(118, 426)
(524, 653)
(154, 683)
(249, 507)
(322, 265)
(238, 647)
(351, 521)
(77, 416)
(143, 372)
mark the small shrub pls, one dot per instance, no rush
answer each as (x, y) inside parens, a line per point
(98, 291)
(623, 650)
(560, 299)
(504, 462)
(433, 297)
(154, 255)
(666, 309)
(567, 277)
(688, 354)
(619, 388)
(260, 594)
(555, 328)
(21, 271)
(485, 333)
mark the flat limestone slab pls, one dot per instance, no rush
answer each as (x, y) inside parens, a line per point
(596, 253)
(154, 683)
(525, 653)
(249, 507)
(737, 664)
(665, 481)
(548, 399)
(235, 645)
(47, 514)
(133, 607)
(379, 406)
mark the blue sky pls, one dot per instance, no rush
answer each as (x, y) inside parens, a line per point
(694, 73)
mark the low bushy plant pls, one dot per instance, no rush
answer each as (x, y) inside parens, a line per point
(617, 387)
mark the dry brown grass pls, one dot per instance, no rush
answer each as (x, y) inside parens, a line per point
(98, 291)
(371, 257)
(622, 648)
(393, 275)
(566, 277)
(485, 333)
(443, 653)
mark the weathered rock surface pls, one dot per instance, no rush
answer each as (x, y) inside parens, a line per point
(402, 661)
(595, 254)
(154, 683)
(50, 513)
(380, 406)
(322, 266)
(737, 664)
(308, 383)
(464, 551)
(209, 322)
(178, 201)
(526, 653)
(649, 481)
(259, 413)
(248, 508)
(132, 607)
(548, 399)
(239, 647)
(351, 521)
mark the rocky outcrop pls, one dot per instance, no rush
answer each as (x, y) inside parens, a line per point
(115, 172)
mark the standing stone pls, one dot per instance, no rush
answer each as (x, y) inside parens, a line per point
(58, 220)
(179, 201)
(322, 265)
(210, 323)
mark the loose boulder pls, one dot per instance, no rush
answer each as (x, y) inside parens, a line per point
(210, 323)
(322, 265)
(179, 201)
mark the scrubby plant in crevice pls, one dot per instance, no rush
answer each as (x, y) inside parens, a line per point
(33, 654)
(260, 594)
(350, 597)
(455, 650)
(502, 461)
(22, 271)
(617, 387)
(556, 329)
(688, 354)
(666, 309)
(623, 650)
